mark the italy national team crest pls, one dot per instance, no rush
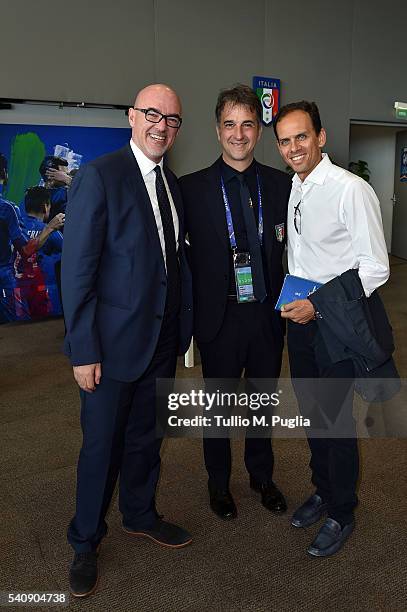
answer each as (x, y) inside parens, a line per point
(268, 91)
(280, 232)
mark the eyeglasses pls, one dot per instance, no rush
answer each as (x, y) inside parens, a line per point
(297, 217)
(154, 116)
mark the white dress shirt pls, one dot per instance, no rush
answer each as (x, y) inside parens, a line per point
(341, 227)
(147, 166)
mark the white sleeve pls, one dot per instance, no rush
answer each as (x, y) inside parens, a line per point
(363, 220)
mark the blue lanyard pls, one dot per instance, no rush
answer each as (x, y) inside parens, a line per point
(229, 220)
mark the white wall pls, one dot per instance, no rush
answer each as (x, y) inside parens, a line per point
(377, 146)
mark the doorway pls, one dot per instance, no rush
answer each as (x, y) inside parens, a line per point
(399, 233)
(376, 144)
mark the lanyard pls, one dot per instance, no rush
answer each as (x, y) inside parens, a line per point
(229, 220)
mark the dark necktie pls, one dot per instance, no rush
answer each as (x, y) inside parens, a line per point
(259, 287)
(171, 259)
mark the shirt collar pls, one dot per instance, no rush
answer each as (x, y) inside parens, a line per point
(229, 173)
(145, 164)
(317, 176)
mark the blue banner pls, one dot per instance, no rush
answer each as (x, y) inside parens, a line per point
(37, 164)
(268, 92)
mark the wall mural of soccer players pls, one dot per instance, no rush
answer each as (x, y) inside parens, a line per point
(37, 166)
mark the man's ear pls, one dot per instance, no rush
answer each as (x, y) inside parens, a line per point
(217, 131)
(321, 138)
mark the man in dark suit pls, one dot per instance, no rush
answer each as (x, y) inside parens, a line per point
(127, 303)
(235, 211)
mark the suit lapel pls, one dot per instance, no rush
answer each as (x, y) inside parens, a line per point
(176, 197)
(214, 203)
(141, 196)
(268, 194)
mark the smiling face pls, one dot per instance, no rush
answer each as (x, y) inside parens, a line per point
(154, 139)
(299, 145)
(238, 133)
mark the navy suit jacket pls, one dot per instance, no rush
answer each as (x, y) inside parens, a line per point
(356, 327)
(206, 225)
(113, 273)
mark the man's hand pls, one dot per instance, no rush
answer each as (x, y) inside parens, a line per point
(57, 222)
(88, 376)
(36, 243)
(299, 311)
(60, 176)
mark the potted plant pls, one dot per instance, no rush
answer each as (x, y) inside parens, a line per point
(361, 169)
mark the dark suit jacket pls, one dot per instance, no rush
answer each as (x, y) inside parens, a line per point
(206, 226)
(113, 273)
(356, 327)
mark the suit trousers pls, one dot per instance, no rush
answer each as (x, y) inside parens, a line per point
(119, 437)
(250, 342)
(326, 397)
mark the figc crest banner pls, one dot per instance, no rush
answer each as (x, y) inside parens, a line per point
(268, 91)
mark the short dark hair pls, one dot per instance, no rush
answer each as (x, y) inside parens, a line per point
(241, 95)
(36, 198)
(308, 107)
(51, 161)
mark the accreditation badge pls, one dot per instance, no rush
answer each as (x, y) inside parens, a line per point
(243, 277)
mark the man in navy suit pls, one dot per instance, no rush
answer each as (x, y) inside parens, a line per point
(127, 301)
(235, 211)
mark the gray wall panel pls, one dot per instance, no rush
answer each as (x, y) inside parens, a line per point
(379, 75)
(310, 50)
(93, 50)
(348, 57)
(203, 47)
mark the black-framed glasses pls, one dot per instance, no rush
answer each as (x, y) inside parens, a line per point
(154, 116)
(297, 217)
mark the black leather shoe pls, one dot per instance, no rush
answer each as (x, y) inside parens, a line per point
(330, 538)
(221, 502)
(310, 512)
(83, 574)
(271, 496)
(163, 533)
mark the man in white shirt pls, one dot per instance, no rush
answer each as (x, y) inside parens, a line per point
(334, 224)
(127, 300)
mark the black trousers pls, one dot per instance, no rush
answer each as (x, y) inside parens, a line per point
(119, 436)
(250, 342)
(326, 397)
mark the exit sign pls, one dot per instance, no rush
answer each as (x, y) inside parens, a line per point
(401, 110)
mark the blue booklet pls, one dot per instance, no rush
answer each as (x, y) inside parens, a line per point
(296, 288)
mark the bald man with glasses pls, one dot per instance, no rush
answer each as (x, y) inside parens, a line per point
(127, 301)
